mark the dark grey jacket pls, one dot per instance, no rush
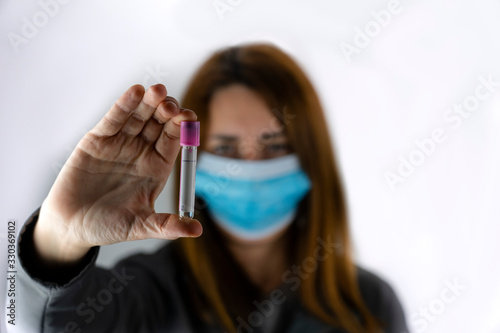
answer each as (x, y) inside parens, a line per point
(147, 293)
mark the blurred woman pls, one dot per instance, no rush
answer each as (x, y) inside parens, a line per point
(275, 253)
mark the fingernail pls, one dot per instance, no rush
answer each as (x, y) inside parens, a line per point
(171, 106)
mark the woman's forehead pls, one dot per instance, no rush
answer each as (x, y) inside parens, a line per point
(262, 136)
(238, 111)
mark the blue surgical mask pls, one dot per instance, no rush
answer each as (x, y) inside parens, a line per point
(251, 199)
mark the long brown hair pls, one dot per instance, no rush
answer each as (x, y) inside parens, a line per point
(331, 291)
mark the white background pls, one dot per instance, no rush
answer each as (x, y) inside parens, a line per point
(441, 224)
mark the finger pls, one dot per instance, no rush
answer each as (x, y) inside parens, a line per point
(114, 119)
(167, 109)
(152, 98)
(165, 226)
(167, 144)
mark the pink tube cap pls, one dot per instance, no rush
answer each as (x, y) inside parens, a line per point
(190, 133)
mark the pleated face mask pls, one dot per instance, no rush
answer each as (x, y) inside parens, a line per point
(251, 199)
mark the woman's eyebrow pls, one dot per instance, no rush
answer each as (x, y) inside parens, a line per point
(270, 135)
(264, 136)
(224, 137)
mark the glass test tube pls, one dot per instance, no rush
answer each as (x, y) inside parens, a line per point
(190, 140)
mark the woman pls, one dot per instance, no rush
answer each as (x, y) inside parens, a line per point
(275, 254)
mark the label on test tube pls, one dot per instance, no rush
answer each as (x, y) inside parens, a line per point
(189, 140)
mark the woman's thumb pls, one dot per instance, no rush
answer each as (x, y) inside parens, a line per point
(166, 226)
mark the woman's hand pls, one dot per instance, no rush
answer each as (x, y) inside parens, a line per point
(106, 190)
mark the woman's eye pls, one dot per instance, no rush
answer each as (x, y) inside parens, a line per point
(224, 150)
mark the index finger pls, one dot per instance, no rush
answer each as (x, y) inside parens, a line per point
(168, 143)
